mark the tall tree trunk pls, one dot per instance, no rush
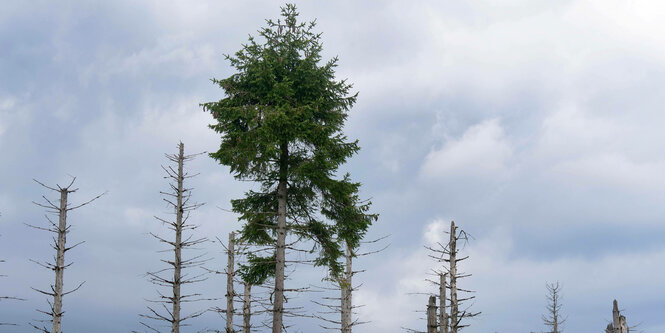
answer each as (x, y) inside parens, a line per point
(60, 262)
(443, 316)
(278, 302)
(230, 273)
(178, 199)
(175, 324)
(247, 309)
(453, 278)
(60, 246)
(347, 289)
(431, 315)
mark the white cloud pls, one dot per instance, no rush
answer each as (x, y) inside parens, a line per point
(483, 150)
(615, 170)
(6, 105)
(407, 274)
(600, 149)
(435, 232)
(570, 131)
(509, 285)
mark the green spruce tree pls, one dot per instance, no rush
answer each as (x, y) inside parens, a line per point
(281, 125)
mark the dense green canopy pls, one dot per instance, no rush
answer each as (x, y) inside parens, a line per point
(282, 120)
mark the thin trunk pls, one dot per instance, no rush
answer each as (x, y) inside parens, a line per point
(347, 289)
(60, 262)
(278, 302)
(175, 324)
(555, 313)
(246, 309)
(431, 315)
(443, 316)
(615, 315)
(230, 273)
(453, 278)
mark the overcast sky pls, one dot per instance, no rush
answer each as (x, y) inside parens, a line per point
(537, 126)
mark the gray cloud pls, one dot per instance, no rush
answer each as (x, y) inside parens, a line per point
(536, 126)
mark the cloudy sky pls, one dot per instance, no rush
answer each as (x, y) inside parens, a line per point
(536, 125)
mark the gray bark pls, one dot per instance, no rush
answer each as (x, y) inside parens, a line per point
(278, 301)
(178, 198)
(59, 267)
(618, 324)
(247, 309)
(230, 273)
(453, 279)
(177, 267)
(554, 318)
(60, 245)
(443, 315)
(347, 289)
(431, 315)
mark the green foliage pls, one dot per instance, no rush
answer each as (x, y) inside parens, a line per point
(281, 120)
(258, 270)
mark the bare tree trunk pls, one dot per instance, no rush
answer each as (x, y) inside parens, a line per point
(453, 278)
(278, 302)
(431, 315)
(443, 315)
(230, 273)
(60, 245)
(175, 324)
(618, 324)
(247, 309)
(556, 325)
(553, 319)
(60, 262)
(178, 198)
(347, 289)
(451, 319)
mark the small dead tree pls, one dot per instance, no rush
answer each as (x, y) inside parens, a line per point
(553, 319)
(618, 324)
(60, 229)
(238, 252)
(449, 253)
(253, 302)
(178, 198)
(343, 305)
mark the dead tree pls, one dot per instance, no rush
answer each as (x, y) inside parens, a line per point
(448, 253)
(431, 315)
(343, 305)
(618, 324)
(178, 198)
(230, 274)
(247, 308)
(443, 315)
(237, 252)
(60, 229)
(347, 288)
(553, 318)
